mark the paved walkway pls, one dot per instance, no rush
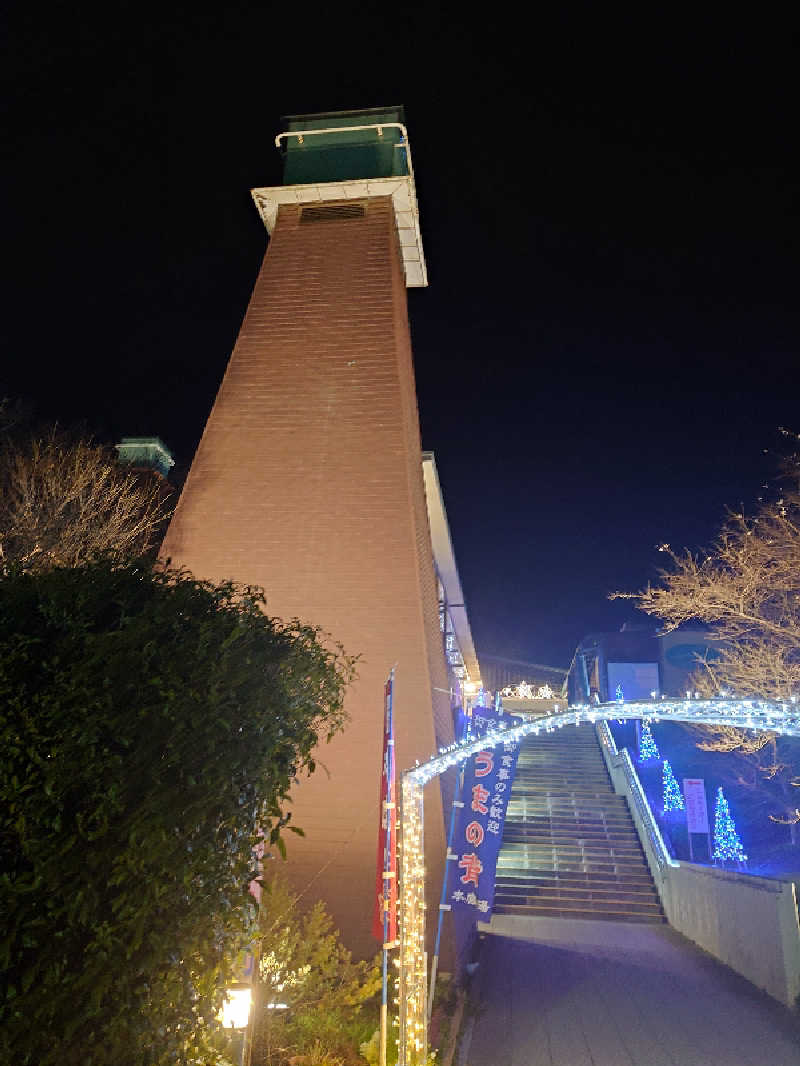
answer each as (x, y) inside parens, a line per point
(586, 993)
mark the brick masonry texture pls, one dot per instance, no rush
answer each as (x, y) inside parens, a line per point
(308, 482)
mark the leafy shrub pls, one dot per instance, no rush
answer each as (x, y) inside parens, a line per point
(148, 722)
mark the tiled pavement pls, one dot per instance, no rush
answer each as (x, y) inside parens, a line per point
(593, 993)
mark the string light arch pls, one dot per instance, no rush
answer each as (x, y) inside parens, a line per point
(758, 715)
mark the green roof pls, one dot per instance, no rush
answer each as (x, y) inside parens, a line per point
(148, 452)
(349, 153)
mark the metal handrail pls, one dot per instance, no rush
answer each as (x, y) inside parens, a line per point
(379, 126)
(607, 737)
(637, 794)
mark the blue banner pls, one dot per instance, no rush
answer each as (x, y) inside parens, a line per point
(488, 778)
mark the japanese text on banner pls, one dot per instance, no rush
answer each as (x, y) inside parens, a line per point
(488, 778)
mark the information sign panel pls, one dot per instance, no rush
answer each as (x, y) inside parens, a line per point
(694, 791)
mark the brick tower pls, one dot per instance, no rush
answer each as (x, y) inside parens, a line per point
(308, 479)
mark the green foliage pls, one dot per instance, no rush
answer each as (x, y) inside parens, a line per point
(330, 999)
(148, 722)
(318, 1055)
(371, 1050)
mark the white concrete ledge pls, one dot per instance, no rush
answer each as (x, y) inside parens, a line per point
(749, 923)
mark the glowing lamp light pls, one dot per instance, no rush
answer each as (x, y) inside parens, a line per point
(235, 1012)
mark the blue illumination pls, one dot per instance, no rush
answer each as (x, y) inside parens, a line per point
(727, 845)
(673, 799)
(648, 749)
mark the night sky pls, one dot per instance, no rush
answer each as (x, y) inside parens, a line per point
(609, 341)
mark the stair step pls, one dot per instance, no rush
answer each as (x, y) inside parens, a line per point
(588, 893)
(578, 865)
(571, 799)
(566, 756)
(614, 820)
(569, 880)
(594, 905)
(544, 773)
(590, 850)
(516, 836)
(609, 906)
(572, 843)
(552, 800)
(574, 827)
(523, 808)
(564, 782)
(549, 803)
(551, 760)
(576, 823)
(569, 912)
(518, 849)
(523, 832)
(569, 796)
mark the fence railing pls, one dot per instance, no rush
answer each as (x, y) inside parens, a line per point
(621, 763)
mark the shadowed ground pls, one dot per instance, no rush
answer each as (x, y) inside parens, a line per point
(597, 993)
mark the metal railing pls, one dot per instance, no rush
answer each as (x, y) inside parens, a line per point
(623, 761)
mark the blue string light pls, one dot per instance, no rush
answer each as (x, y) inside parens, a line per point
(727, 845)
(673, 799)
(648, 749)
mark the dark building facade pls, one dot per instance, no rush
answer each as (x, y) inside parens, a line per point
(637, 662)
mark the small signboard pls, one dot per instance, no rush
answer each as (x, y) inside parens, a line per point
(694, 791)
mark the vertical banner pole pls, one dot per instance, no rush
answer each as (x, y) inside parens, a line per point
(388, 888)
(443, 904)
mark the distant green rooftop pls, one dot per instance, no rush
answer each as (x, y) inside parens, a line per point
(346, 152)
(149, 453)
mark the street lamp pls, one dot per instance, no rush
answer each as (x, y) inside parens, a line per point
(235, 1015)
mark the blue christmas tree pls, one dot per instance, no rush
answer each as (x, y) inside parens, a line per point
(727, 845)
(673, 799)
(618, 695)
(648, 749)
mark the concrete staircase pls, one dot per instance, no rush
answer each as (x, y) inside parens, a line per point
(570, 849)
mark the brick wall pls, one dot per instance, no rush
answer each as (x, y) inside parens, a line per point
(308, 481)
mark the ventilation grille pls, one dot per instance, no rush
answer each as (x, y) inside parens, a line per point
(332, 212)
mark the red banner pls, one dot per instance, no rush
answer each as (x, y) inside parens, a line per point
(386, 897)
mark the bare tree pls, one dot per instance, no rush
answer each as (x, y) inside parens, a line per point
(747, 586)
(65, 501)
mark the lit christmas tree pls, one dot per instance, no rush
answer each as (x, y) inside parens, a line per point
(648, 749)
(618, 695)
(673, 800)
(727, 845)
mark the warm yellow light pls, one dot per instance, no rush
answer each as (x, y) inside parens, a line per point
(236, 1008)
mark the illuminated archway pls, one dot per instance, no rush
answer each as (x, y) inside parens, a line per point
(758, 715)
